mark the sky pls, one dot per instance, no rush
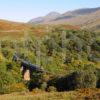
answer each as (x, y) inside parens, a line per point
(24, 10)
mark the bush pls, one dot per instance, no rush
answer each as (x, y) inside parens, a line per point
(78, 79)
(18, 87)
(1, 58)
(43, 86)
(52, 89)
(98, 77)
(84, 79)
(36, 81)
(6, 80)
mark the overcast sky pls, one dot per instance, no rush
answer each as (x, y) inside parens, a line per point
(24, 10)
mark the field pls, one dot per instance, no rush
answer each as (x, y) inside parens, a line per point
(84, 94)
(14, 30)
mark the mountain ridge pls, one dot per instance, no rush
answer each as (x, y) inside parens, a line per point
(80, 17)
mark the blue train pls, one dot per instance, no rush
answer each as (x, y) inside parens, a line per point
(27, 65)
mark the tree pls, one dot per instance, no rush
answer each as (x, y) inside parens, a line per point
(6, 80)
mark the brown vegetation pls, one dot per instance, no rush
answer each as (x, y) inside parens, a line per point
(83, 94)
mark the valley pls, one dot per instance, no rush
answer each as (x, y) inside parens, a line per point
(65, 48)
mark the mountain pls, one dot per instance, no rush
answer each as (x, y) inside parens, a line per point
(36, 20)
(86, 18)
(47, 18)
(83, 11)
(52, 14)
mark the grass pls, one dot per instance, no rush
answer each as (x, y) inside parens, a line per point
(39, 96)
(81, 94)
(14, 30)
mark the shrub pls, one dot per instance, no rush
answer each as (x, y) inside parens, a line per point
(60, 83)
(43, 86)
(36, 81)
(1, 58)
(6, 80)
(79, 79)
(98, 77)
(52, 89)
(18, 87)
(84, 79)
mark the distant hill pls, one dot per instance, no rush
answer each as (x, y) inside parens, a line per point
(86, 18)
(49, 17)
(15, 30)
(12, 29)
(6, 25)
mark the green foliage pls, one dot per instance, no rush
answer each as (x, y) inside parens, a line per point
(80, 78)
(43, 86)
(6, 80)
(60, 51)
(98, 77)
(51, 89)
(36, 81)
(84, 79)
(8, 77)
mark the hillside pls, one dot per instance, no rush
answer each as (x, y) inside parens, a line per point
(47, 18)
(50, 50)
(12, 29)
(86, 18)
(9, 25)
(68, 57)
(17, 30)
